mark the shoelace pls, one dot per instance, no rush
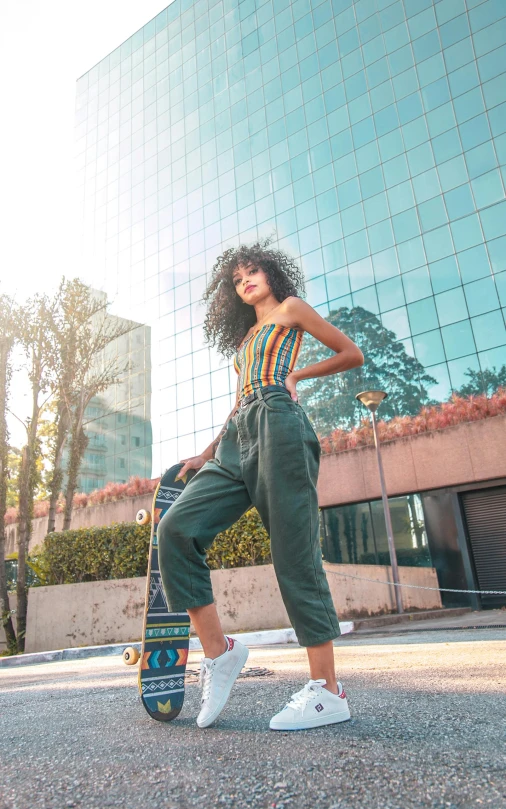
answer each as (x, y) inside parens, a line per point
(301, 698)
(205, 676)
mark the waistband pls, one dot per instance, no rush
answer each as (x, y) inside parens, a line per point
(258, 394)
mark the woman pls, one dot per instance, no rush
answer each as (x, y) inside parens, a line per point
(268, 455)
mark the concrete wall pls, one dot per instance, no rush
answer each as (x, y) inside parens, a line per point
(248, 598)
(468, 453)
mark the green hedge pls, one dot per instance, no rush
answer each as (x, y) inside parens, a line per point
(120, 551)
(117, 551)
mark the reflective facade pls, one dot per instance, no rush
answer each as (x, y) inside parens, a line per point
(369, 137)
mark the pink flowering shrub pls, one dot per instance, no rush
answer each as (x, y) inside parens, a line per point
(447, 414)
(111, 492)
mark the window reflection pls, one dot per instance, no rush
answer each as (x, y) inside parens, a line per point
(356, 534)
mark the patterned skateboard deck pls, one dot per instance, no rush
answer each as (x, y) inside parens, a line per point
(166, 635)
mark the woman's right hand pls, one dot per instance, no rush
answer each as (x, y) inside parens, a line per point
(197, 462)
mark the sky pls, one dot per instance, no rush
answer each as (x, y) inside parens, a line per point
(45, 45)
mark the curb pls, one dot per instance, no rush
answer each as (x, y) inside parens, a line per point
(266, 637)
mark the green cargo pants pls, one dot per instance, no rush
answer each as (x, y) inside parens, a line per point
(268, 457)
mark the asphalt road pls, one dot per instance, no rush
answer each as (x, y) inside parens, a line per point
(428, 729)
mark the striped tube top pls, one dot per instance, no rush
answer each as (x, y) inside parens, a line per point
(266, 357)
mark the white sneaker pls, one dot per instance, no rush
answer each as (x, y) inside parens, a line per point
(312, 707)
(217, 678)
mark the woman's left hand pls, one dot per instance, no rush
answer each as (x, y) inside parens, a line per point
(291, 386)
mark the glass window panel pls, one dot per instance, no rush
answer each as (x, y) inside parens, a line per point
(452, 173)
(347, 535)
(420, 159)
(441, 120)
(391, 145)
(395, 171)
(454, 30)
(422, 316)
(444, 274)
(451, 306)
(385, 264)
(475, 132)
(405, 83)
(441, 389)
(447, 145)
(480, 159)
(338, 282)
(401, 197)
(489, 330)
(436, 94)
(386, 120)
(352, 219)
(474, 263)
(361, 273)
(371, 182)
(426, 46)
(438, 243)
(367, 298)
(409, 108)
(415, 133)
(458, 340)
(416, 284)
(426, 185)
(381, 236)
(400, 59)
(459, 202)
(464, 79)
(432, 213)
(481, 296)
(406, 225)
(397, 321)
(460, 370)
(390, 294)
(429, 348)
(431, 69)
(376, 208)
(488, 189)
(466, 232)
(411, 254)
(316, 291)
(330, 229)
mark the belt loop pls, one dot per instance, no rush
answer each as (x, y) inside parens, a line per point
(260, 394)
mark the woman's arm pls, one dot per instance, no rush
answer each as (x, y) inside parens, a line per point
(198, 461)
(347, 353)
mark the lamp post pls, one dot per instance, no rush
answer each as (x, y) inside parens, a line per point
(372, 400)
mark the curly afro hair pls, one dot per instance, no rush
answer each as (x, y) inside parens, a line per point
(228, 318)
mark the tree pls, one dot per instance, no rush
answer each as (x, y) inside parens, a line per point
(330, 401)
(35, 334)
(487, 381)
(88, 365)
(8, 324)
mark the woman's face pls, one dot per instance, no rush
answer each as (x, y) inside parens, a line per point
(250, 283)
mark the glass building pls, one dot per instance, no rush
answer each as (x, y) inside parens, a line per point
(368, 138)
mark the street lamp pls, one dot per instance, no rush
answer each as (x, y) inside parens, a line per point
(372, 400)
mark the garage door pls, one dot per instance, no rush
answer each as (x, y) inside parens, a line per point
(485, 514)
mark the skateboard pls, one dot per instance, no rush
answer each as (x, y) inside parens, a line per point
(165, 634)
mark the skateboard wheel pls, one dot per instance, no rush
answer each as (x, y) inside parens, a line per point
(143, 517)
(131, 656)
